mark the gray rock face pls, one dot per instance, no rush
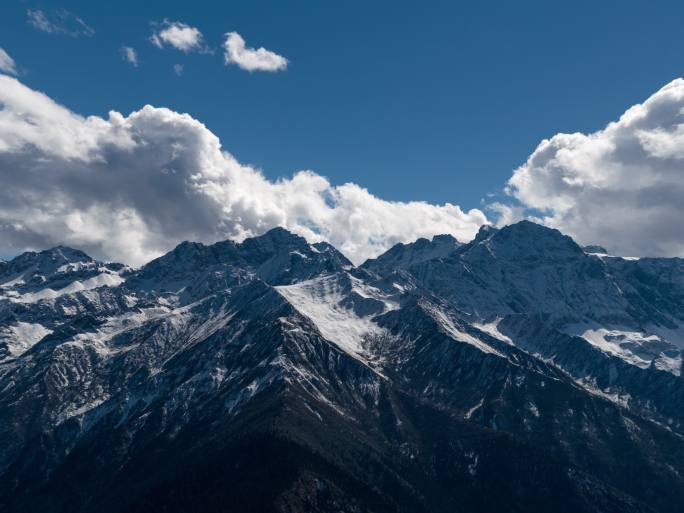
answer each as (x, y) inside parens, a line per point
(518, 372)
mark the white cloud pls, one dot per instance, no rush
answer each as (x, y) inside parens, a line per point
(621, 187)
(40, 21)
(251, 59)
(130, 55)
(7, 64)
(178, 35)
(506, 214)
(178, 69)
(130, 188)
(61, 22)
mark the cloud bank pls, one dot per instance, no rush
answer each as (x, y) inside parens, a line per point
(621, 187)
(250, 59)
(7, 64)
(129, 188)
(179, 36)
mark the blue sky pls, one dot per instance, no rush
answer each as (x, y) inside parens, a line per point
(435, 113)
(436, 101)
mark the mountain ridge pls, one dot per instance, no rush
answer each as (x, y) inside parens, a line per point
(517, 371)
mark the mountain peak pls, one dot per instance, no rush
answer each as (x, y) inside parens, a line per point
(46, 261)
(280, 231)
(276, 257)
(445, 238)
(405, 255)
(280, 234)
(528, 239)
(527, 227)
(64, 254)
(484, 232)
(275, 239)
(593, 248)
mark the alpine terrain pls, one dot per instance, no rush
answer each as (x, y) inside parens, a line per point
(519, 372)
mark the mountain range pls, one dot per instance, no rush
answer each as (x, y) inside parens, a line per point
(519, 372)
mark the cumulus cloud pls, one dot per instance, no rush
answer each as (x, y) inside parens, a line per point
(61, 22)
(131, 187)
(179, 36)
(7, 64)
(251, 59)
(129, 55)
(621, 187)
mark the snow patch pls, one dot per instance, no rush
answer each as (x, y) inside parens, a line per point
(78, 411)
(369, 292)
(472, 410)
(322, 301)
(98, 340)
(606, 255)
(20, 337)
(669, 364)
(100, 280)
(460, 336)
(634, 347)
(18, 280)
(492, 328)
(597, 338)
(76, 266)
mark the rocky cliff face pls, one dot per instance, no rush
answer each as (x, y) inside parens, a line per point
(518, 372)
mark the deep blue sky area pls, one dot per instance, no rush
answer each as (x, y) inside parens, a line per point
(435, 101)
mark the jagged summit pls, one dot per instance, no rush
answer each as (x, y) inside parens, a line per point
(35, 276)
(484, 232)
(280, 235)
(403, 255)
(277, 257)
(445, 238)
(595, 249)
(523, 239)
(46, 261)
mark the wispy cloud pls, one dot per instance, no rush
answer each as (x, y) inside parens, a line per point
(251, 59)
(129, 55)
(7, 64)
(178, 69)
(178, 35)
(61, 22)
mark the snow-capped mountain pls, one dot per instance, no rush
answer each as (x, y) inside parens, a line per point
(518, 372)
